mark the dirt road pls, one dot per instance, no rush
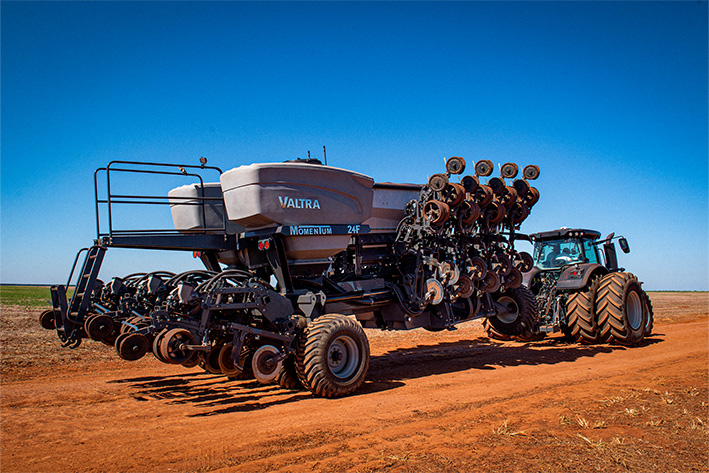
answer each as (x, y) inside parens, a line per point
(453, 401)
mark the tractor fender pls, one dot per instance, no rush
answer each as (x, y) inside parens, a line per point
(577, 276)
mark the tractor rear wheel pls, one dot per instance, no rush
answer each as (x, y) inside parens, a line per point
(581, 313)
(332, 357)
(520, 317)
(622, 314)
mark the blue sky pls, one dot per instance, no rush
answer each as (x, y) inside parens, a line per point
(608, 98)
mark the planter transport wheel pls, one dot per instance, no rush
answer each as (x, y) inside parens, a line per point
(332, 356)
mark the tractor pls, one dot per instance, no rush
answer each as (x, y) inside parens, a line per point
(581, 292)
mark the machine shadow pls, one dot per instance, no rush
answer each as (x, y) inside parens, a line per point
(480, 353)
(214, 394)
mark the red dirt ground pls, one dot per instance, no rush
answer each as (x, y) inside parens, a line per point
(452, 401)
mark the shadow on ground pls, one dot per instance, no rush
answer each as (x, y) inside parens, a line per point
(214, 394)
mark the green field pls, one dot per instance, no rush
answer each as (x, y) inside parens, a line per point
(36, 297)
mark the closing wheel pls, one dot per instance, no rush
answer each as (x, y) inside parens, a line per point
(581, 313)
(521, 187)
(531, 197)
(117, 343)
(622, 315)
(438, 182)
(464, 287)
(483, 167)
(133, 346)
(519, 213)
(332, 357)
(497, 185)
(449, 272)
(490, 282)
(531, 172)
(501, 264)
(477, 268)
(453, 194)
(469, 212)
(46, 320)
(436, 212)
(495, 212)
(156, 345)
(455, 165)
(209, 360)
(172, 346)
(508, 197)
(264, 364)
(434, 291)
(523, 261)
(98, 327)
(227, 365)
(513, 279)
(520, 312)
(484, 195)
(509, 170)
(470, 183)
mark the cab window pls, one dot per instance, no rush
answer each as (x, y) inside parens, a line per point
(589, 250)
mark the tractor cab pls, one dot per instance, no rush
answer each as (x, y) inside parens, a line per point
(555, 249)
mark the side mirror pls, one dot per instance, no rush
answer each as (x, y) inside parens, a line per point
(624, 245)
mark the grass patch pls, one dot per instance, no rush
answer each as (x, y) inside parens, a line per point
(26, 296)
(33, 297)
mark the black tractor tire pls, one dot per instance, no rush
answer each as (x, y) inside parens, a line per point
(523, 313)
(494, 334)
(622, 317)
(650, 315)
(332, 356)
(288, 376)
(581, 313)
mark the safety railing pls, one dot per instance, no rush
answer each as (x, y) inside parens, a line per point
(107, 201)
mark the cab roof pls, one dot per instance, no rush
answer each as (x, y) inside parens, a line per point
(566, 233)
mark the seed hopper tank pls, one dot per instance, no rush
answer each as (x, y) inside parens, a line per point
(299, 257)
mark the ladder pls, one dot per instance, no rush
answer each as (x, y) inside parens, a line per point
(69, 317)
